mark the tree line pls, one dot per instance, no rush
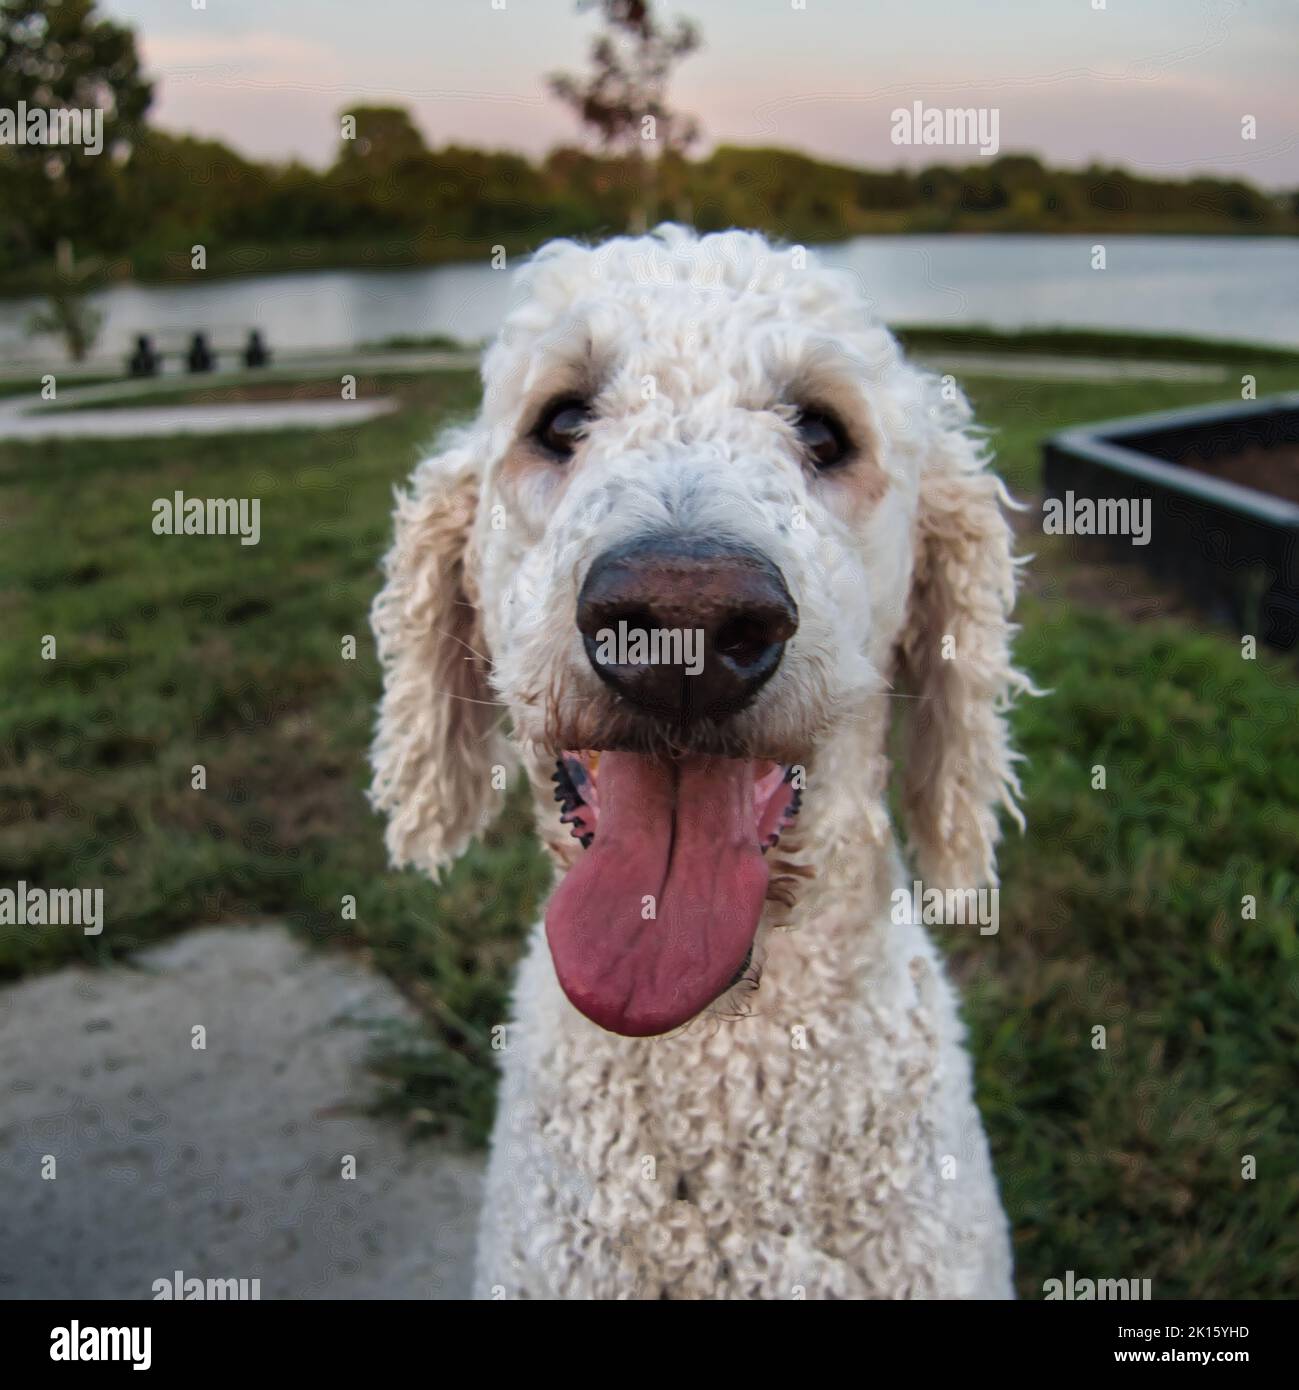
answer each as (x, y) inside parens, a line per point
(140, 207)
(388, 199)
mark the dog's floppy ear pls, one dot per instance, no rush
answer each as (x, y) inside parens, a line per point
(954, 655)
(437, 735)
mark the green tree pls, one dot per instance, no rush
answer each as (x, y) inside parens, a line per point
(624, 100)
(61, 54)
(380, 140)
(68, 314)
(381, 174)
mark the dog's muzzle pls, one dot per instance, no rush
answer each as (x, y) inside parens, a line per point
(685, 629)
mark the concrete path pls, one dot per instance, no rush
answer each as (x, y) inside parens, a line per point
(17, 424)
(30, 417)
(223, 1163)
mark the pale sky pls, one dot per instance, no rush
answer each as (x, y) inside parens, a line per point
(1160, 86)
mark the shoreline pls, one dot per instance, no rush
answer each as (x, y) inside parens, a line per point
(251, 261)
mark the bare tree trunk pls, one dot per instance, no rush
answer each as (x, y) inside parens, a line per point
(649, 191)
(643, 206)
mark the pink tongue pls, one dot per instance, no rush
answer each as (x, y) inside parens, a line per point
(656, 918)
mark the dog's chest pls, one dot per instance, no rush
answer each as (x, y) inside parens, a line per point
(749, 1159)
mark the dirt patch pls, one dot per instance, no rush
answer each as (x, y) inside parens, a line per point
(1068, 568)
(1274, 470)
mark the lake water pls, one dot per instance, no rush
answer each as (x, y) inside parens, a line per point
(1225, 287)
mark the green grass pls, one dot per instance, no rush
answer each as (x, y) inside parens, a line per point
(1119, 907)
(31, 386)
(417, 342)
(1018, 414)
(1122, 908)
(1086, 342)
(171, 654)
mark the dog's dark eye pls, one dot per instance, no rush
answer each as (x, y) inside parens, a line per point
(562, 424)
(823, 437)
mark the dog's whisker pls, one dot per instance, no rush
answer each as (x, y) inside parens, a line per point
(482, 656)
(469, 700)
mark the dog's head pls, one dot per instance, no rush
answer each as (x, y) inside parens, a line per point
(707, 519)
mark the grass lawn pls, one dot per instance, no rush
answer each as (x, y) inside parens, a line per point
(1089, 342)
(31, 386)
(1020, 413)
(1119, 908)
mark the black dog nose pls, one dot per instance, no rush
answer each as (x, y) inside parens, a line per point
(685, 629)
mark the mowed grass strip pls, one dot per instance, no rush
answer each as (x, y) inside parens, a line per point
(175, 652)
(1120, 908)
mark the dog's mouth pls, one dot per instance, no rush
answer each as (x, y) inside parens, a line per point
(658, 916)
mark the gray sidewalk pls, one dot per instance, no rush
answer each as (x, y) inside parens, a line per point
(223, 1163)
(30, 418)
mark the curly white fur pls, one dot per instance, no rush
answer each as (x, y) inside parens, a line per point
(818, 1136)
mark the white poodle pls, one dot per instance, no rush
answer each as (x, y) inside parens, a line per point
(709, 538)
